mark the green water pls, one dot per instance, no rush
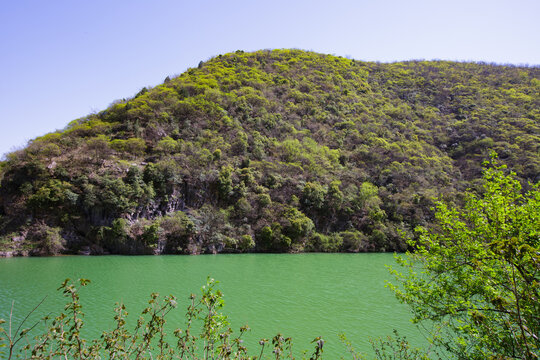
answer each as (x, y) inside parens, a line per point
(302, 296)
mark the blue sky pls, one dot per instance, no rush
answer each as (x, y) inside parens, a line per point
(61, 60)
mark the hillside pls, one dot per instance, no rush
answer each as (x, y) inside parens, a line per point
(271, 151)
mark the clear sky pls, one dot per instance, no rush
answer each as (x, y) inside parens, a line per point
(63, 59)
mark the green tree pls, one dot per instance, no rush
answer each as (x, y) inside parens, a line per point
(177, 229)
(225, 184)
(297, 226)
(51, 196)
(335, 196)
(166, 145)
(48, 239)
(476, 277)
(98, 147)
(133, 146)
(313, 196)
(246, 243)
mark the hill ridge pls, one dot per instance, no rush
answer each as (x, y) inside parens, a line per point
(282, 150)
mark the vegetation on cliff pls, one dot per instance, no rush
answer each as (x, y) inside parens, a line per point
(275, 151)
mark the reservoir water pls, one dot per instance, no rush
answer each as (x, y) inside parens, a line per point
(301, 295)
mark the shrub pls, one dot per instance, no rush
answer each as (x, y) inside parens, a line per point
(246, 243)
(133, 146)
(166, 145)
(225, 184)
(207, 334)
(324, 243)
(47, 240)
(353, 241)
(50, 196)
(297, 226)
(264, 200)
(313, 196)
(177, 229)
(270, 238)
(475, 277)
(242, 208)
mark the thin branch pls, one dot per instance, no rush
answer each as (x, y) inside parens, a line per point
(28, 315)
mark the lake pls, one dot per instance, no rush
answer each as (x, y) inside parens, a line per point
(299, 295)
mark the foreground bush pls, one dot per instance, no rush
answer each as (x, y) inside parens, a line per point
(207, 334)
(476, 281)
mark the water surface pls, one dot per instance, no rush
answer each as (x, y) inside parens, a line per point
(301, 295)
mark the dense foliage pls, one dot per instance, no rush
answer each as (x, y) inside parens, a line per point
(475, 281)
(275, 151)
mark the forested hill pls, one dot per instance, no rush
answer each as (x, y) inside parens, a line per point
(271, 151)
